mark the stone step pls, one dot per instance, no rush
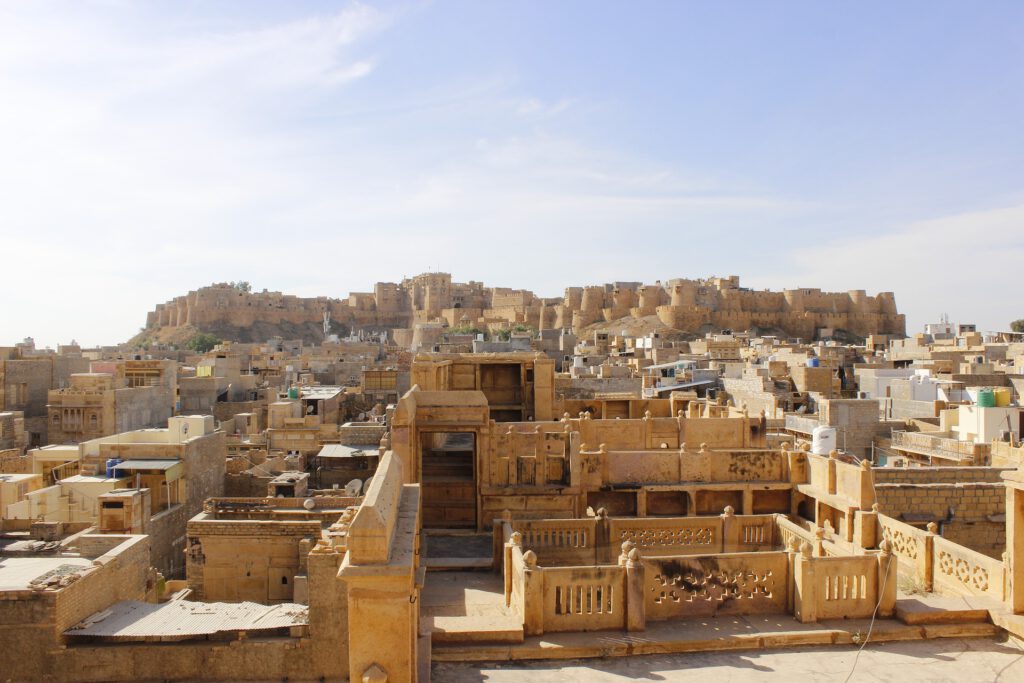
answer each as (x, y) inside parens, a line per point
(680, 637)
(458, 564)
(938, 610)
(475, 630)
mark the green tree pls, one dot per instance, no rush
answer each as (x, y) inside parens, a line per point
(465, 329)
(201, 342)
(1017, 325)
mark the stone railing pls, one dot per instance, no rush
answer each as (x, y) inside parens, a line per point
(553, 541)
(941, 447)
(1006, 454)
(703, 586)
(594, 540)
(804, 425)
(911, 546)
(788, 530)
(827, 475)
(626, 594)
(843, 587)
(961, 571)
(937, 564)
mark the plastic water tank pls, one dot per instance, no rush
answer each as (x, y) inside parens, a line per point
(293, 392)
(813, 362)
(111, 464)
(823, 440)
(986, 398)
(1003, 396)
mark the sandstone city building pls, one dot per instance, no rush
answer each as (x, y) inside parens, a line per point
(439, 473)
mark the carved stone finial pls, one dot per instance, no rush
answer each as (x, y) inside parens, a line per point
(786, 445)
(703, 447)
(865, 464)
(530, 559)
(833, 454)
(874, 507)
(805, 549)
(729, 511)
(374, 674)
(819, 532)
(603, 448)
(584, 448)
(647, 415)
(933, 528)
(680, 414)
(565, 417)
(885, 546)
(793, 544)
(627, 546)
(516, 538)
(602, 512)
(633, 558)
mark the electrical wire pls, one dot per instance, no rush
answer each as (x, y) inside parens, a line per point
(881, 595)
(871, 625)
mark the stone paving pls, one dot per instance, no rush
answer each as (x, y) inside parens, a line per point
(954, 660)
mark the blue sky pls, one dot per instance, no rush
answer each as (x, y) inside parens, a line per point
(318, 147)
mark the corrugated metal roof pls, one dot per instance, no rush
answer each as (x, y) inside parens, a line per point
(182, 619)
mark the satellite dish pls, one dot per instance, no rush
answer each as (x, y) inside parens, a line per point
(354, 487)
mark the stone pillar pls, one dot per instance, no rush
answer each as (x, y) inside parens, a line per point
(604, 552)
(636, 613)
(729, 528)
(328, 613)
(804, 587)
(887, 570)
(533, 595)
(1015, 538)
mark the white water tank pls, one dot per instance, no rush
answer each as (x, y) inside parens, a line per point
(823, 440)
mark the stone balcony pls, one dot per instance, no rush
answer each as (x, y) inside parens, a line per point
(801, 424)
(941, 447)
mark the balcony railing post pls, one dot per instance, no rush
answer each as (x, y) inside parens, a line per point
(636, 616)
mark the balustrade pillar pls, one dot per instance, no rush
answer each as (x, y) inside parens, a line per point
(805, 599)
(1015, 538)
(887, 570)
(533, 595)
(636, 613)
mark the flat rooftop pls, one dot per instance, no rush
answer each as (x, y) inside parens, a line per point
(17, 573)
(183, 620)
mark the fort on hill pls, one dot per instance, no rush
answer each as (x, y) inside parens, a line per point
(433, 299)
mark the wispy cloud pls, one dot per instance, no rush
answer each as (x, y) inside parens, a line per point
(535, 108)
(140, 163)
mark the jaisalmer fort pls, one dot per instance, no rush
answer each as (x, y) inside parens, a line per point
(683, 475)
